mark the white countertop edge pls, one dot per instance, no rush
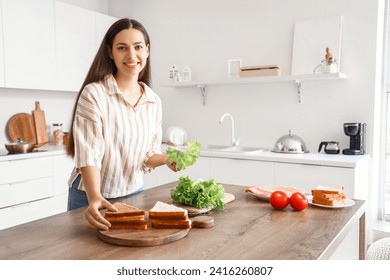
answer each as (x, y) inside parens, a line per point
(45, 151)
(339, 160)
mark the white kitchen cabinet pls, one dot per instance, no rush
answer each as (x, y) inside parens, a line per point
(16, 171)
(199, 170)
(29, 44)
(62, 168)
(150, 180)
(29, 211)
(76, 44)
(2, 81)
(33, 188)
(163, 175)
(242, 172)
(354, 180)
(103, 23)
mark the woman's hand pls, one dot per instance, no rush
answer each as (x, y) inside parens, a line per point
(93, 215)
(171, 165)
(159, 160)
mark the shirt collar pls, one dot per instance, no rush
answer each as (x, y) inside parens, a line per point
(113, 88)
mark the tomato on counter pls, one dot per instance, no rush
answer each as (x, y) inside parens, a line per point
(279, 200)
(298, 201)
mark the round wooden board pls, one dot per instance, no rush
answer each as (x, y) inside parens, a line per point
(141, 238)
(21, 125)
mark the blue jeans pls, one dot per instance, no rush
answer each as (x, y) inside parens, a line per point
(78, 198)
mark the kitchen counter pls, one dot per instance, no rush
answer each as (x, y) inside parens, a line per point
(338, 160)
(43, 151)
(308, 158)
(248, 228)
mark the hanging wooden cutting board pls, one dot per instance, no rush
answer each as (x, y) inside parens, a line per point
(21, 125)
(40, 124)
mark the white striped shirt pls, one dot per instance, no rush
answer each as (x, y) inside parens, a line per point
(115, 137)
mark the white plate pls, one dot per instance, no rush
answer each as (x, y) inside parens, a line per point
(348, 202)
(289, 190)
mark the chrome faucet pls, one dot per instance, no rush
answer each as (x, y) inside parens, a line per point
(234, 141)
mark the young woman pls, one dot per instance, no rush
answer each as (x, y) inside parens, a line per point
(116, 130)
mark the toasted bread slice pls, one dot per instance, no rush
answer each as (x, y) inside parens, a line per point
(328, 196)
(328, 190)
(124, 210)
(329, 202)
(125, 218)
(135, 224)
(167, 216)
(180, 224)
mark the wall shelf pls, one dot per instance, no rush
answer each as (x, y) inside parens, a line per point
(297, 79)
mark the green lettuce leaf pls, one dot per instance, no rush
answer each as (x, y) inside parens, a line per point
(186, 158)
(199, 193)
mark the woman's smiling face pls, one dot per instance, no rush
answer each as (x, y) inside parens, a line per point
(129, 52)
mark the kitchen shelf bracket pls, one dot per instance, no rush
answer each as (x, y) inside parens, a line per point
(299, 87)
(203, 92)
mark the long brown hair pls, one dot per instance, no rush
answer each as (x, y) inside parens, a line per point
(103, 65)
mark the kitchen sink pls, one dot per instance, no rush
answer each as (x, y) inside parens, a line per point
(233, 149)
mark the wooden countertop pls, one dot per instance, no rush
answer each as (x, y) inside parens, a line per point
(248, 228)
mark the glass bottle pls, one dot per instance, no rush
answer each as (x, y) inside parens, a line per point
(57, 134)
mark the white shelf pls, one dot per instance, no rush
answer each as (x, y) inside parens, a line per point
(258, 80)
(298, 79)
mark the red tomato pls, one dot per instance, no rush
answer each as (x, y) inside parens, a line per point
(298, 201)
(279, 200)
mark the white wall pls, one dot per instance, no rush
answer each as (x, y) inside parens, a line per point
(205, 34)
(100, 6)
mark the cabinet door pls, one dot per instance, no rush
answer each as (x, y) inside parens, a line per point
(62, 168)
(76, 44)
(242, 172)
(150, 180)
(310, 176)
(15, 171)
(23, 192)
(2, 81)
(31, 211)
(29, 44)
(103, 23)
(200, 170)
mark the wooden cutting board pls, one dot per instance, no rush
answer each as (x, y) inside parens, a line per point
(193, 211)
(141, 238)
(40, 124)
(21, 125)
(151, 236)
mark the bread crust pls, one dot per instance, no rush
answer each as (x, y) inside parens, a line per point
(124, 210)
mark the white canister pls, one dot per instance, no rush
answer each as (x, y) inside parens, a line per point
(176, 136)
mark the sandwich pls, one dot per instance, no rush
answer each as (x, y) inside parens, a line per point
(168, 216)
(127, 217)
(329, 195)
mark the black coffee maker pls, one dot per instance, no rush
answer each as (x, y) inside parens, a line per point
(357, 134)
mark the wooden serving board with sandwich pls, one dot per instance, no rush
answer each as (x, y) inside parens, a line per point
(164, 223)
